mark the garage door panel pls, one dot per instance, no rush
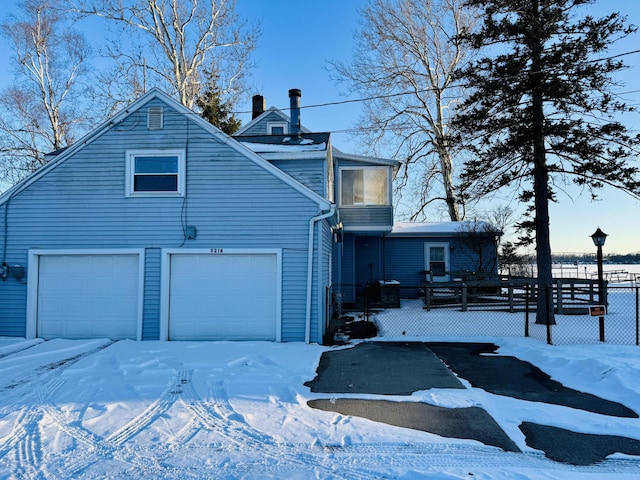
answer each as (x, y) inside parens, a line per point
(231, 297)
(84, 296)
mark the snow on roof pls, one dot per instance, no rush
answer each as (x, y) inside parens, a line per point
(304, 146)
(439, 228)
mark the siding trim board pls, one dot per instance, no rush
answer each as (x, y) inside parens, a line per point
(33, 279)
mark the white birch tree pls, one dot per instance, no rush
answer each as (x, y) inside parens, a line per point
(172, 44)
(403, 63)
(42, 109)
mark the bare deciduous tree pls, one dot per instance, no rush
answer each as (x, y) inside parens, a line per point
(478, 243)
(405, 56)
(42, 108)
(172, 44)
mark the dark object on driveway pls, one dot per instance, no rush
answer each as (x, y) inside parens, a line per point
(576, 448)
(469, 423)
(512, 377)
(361, 329)
(351, 328)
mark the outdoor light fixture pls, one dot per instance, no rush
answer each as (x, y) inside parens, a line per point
(599, 237)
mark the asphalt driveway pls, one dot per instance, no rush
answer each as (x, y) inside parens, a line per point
(401, 368)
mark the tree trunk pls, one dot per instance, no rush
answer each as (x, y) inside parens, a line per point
(544, 312)
(443, 148)
(446, 166)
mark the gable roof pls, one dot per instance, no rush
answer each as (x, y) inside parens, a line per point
(60, 156)
(265, 114)
(305, 133)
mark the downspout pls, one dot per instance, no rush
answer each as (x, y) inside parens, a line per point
(312, 223)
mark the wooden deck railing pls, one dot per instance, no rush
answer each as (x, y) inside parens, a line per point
(570, 295)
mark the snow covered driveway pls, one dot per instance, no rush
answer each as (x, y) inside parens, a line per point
(164, 410)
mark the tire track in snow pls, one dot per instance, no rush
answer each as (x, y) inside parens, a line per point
(25, 439)
(23, 422)
(95, 450)
(218, 415)
(427, 456)
(39, 374)
(28, 452)
(152, 413)
(18, 350)
(113, 447)
(20, 443)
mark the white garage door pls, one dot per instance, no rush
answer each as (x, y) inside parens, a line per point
(88, 296)
(223, 297)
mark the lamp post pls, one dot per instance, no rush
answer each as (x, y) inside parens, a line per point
(599, 237)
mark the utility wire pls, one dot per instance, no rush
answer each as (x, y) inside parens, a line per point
(425, 90)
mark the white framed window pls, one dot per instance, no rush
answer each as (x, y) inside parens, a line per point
(364, 186)
(277, 128)
(159, 173)
(436, 261)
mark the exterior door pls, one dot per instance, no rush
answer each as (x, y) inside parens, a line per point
(368, 260)
(436, 261)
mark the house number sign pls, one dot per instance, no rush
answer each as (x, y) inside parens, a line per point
(217, 250)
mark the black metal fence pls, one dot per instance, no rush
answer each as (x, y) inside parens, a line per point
(489, 310)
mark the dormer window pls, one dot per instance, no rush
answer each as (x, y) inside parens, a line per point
(155, 173)
(277, 128)
(364, 186)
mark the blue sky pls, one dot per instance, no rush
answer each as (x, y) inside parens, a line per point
(300, 36)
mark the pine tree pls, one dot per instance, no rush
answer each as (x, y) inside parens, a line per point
(543, 110)
(217, 112)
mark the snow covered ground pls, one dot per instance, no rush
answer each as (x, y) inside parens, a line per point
(411, 320)
(223, 410)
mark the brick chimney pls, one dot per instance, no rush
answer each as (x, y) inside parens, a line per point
(258, 106)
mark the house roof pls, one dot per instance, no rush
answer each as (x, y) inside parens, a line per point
(305, 142)
(337, 154)
(263, 115)
(305, 134)
(417, 229)
(152, 94)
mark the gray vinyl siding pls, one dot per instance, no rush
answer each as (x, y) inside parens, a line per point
(233, 203)
(151, 313)
(325, 279)
(260, 128)
(13, 312)
(310, 173)
(378, 217)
